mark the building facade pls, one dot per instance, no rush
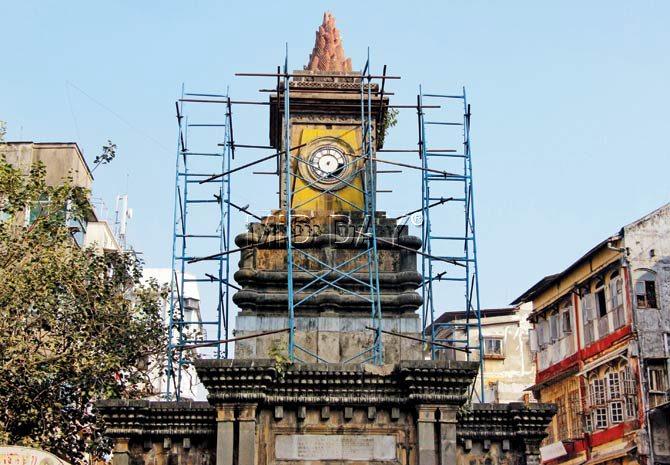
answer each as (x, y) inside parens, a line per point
(63, 161)
(509, 368)
(601, 341)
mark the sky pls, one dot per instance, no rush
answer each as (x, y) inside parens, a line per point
(569, 105)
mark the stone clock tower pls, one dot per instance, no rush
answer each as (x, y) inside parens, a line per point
(327, 176)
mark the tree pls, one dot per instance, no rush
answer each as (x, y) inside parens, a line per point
(76, 326)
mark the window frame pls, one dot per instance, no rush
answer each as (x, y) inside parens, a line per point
(647, 297)
(493, 355)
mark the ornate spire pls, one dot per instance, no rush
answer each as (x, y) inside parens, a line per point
(328, 54)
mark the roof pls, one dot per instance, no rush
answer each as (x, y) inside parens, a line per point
(57, 144)
(448, 316)
(549, 280)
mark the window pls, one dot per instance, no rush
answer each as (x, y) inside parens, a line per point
(540, 333)
(575, 408)
(601, 300)
(658, 378)
(566, 324)
(657, 373)
(600, 418)
(38, 208)
(565, 316)
(493, 347)
(588, 315)
(616, 412)
(645, 291)
(614, 385)
(630, 407)
(553, 327)
(597, 392)
(616, 300)
(588, 422)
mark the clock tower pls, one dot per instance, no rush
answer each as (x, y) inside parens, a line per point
(327, 103)
(341, 281)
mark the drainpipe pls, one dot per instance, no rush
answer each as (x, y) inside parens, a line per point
(643, 371)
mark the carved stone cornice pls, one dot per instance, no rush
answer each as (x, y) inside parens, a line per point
(131, 418)
(405, 383)
(505, 421)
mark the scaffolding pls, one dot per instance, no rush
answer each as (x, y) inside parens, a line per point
(348, 269)
(449, 250)
(201, 219)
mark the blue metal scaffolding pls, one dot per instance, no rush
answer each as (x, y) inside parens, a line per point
(449, 260)
(349, 269)
(199, 155)
(449, 250)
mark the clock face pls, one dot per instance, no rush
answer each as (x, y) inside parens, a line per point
(327, 164)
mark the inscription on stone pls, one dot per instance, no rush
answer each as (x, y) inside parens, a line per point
(335, 447)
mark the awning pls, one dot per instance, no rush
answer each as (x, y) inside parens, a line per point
(601, 361)
(553, 451)
(611, 456)
(579, 460)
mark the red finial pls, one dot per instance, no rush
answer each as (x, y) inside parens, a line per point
(328, 54)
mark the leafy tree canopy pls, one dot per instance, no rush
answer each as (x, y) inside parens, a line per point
(76, 326)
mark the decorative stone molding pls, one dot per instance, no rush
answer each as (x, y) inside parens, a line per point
(125, 418)
(505, 421)
(437, 382)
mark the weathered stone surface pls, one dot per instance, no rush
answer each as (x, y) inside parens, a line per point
(483, 434)
(335, 447)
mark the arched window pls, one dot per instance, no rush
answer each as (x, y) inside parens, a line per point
(565, 309)
(588, 315)
(616, 300)
(645, 289)
(600, 298)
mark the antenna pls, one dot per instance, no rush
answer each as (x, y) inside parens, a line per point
(123, 214)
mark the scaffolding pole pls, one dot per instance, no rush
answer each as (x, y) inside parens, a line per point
(446, 275)
(185, 324)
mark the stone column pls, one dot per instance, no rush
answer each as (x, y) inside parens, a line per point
(121, 455)
(448, 421)
(225, 417)
(246, 447)
(426, 434)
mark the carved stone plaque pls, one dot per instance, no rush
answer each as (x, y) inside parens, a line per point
(335, 447)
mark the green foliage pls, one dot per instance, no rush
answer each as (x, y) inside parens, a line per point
(390, 120)
(107, 155)
(76, 326)
(279, 353)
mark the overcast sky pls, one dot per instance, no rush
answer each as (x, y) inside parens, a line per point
(569, 99)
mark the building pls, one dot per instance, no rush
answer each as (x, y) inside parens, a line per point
(191, 387)
(601, 342)
(63, 161)
(509, 368)
(335, 394)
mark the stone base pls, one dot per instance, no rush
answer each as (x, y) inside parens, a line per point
(262, 413)
(333, 337)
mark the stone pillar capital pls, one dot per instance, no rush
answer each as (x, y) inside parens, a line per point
(225, 412)
(448, 415)
(247, 412)
(426, 413)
